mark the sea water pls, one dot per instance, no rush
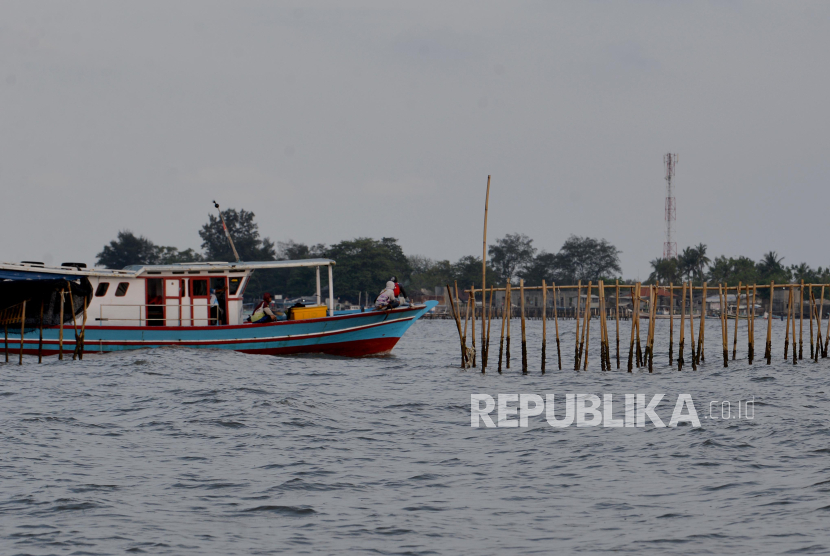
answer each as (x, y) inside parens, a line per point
(180, 451)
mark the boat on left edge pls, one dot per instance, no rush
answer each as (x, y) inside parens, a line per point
(169, 305)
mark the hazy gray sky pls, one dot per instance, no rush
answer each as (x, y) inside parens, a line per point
(344, 119)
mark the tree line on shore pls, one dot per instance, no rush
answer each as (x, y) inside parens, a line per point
(365, 264)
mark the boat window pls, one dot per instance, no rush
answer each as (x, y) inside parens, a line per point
(198, 288)
(102, 288)
(233, 284)
(121, 291)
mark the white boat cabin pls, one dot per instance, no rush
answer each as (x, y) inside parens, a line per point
(175, 294)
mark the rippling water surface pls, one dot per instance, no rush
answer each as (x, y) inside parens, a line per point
(176, 451)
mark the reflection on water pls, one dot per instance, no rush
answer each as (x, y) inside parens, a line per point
(176, 451)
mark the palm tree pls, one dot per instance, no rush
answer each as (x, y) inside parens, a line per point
(701, 260)
(771, 264)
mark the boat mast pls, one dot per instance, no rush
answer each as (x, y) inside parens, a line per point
(227, 233)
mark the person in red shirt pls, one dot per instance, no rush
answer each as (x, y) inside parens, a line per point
(399, 291)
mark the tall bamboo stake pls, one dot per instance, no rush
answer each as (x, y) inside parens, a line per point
(692, 324)
(40, 340)
(544, 323)
(737, 318)
(795, 353)
(768, 352)
(826, 328)
(819, 317)
(650, 337)
(787, 329)
(812, 308)
(60, 334)
(604, 324)
(484, 275)
(576, 318)
(636, 294)
(701, 342)
(722, 299)
(22, 329)
(457, 319)
(801, 321)
(682, 328)
(74, 320)
(601, 331)
(671, 324)
(556, 324)
(472, 299)
(752, 336)
(748, 325)
(6, 340)
(489, 320)
(818, 334)
(509, 318)
(467, 353)
(587, 323)
(640, 361)
(524, 338)
(501, 338)
(617, 318)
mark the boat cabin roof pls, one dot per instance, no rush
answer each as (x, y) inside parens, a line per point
(40, 271)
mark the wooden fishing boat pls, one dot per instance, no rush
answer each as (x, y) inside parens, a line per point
(170, 305)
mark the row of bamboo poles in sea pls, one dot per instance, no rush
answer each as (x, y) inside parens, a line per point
(16, 314)
(640, 353)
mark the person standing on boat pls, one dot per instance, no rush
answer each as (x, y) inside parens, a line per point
(387, 298)
(215, 310)
(399, 291)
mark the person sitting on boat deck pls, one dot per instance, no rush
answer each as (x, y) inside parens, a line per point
(263, 312)
(399, 291)
(387, 298)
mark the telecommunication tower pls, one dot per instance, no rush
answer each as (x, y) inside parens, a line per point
(670, 246)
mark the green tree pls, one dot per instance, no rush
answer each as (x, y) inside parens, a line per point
(467, 271)
(427, 274)
(129, 249)
(770, 268)
(511, 254)
(365, 265)
(585, 258)
(245, 234)
(664, 271)
(543, 267)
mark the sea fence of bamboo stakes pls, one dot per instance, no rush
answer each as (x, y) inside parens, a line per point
(799, 299)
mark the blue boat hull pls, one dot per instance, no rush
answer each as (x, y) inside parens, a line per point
(352, 335)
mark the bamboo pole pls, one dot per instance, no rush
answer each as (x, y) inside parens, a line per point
(701, 342)
(601, 331)
(617, 318)
(587, 323)
(544, 323)
(472, 299)
(489, 321)
(818, 322)
(604, 323)
(501, 338)
(524, 337)
(457, 319)
(6, 340)
(74, 321)
(22, 329)
(682, 328)
(812, 309)
(722, 299)
(818, 334)
(671, 324)
(556, 324)
(60, 334)
(40, 340)
(801, 321)
(737, 318)
(484, 274)
(633, 325)
(640, 361)
(826, 328)
(768, 351)
(748, 325)
(692, 325)
(576, 318)
(509, 318)
(650, 337)
(795, 353)
(787, 329)
(751, 316)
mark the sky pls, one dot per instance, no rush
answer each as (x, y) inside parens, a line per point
(336, 120)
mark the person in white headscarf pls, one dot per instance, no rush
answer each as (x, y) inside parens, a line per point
(387, 298)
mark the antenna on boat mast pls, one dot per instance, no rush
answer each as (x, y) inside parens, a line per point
(227, 233)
